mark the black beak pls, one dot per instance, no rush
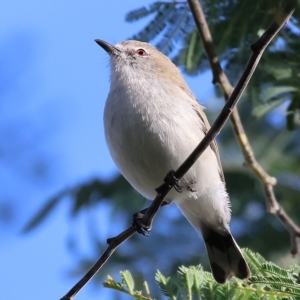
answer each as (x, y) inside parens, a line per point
(110, 49)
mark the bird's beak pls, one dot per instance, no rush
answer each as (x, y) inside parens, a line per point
(110, 49)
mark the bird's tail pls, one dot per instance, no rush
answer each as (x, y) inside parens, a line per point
(225, 257)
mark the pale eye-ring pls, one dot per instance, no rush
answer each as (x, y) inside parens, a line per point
(141, 52)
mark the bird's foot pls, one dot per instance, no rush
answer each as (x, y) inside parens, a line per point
(171, 180)
(137, 223)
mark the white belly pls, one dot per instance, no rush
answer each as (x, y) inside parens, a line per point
(145, 143)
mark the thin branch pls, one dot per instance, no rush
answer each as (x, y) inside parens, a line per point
(179, 173)
(220, 78)
(114, 243)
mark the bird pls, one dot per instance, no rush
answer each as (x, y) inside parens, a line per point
(152, 122)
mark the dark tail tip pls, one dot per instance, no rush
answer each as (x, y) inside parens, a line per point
(225, 256)
(218, 273)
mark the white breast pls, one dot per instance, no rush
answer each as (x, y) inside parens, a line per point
(147, 136)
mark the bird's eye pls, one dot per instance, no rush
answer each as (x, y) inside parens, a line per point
(141, 52)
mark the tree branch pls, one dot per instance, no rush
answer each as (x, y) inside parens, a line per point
(162, 190)
(220, 78)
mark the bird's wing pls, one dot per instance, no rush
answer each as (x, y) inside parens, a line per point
(206, 126)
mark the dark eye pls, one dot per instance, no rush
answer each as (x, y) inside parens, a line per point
(141, 52)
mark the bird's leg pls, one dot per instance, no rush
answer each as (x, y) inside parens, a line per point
(171, 181)
(136, 222)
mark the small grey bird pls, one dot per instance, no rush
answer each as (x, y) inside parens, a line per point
(152, 123)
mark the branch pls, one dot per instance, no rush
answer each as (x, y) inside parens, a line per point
(113, 243)
(220, 78)
(163, 190)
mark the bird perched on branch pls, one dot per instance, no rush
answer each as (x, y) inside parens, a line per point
(152, 123)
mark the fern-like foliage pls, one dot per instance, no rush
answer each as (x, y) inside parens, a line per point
(127, 286)
(168, 287)
(172, 21)
(234, 25)
(268, 281)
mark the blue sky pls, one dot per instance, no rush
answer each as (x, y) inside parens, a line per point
(54, 81)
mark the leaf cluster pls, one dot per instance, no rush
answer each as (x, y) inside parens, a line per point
(234, 25)
(171, 21)
(89, 194)
(268, 281)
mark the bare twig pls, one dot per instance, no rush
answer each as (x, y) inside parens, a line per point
(220, 78)
(114, 243)
(162, 191)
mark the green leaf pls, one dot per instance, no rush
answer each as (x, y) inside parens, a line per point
(272, 269)
(254, 260)
(186, 279)
(275, 91)
(209, 289)
(166, 285)
(293, 112)
(110, 283)
(42, 214)
(295, 272)
(279, 73)
(158, 23)
(191, 55)
(279, 284)
(174, 31)
(142, 12)
(82, 198)
(260, 110)
(270, 282)
(198, 275)
(127, 280)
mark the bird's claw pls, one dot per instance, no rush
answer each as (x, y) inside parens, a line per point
(138, 226)
(171, 180)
